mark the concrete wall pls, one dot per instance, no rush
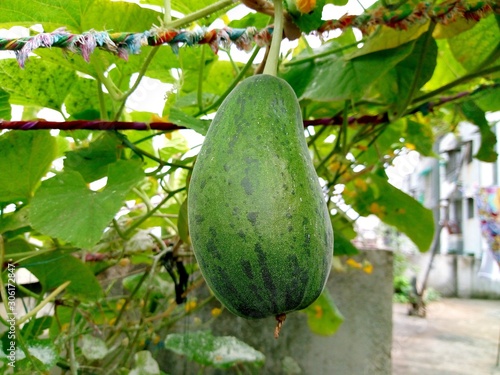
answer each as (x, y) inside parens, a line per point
(457, 276)
(362, 345)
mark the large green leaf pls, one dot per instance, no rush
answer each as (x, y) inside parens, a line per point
(208, 350)
(447, 68)
(77, 15)
(92, 162)
(65, 208)
(477, 116)
(372, 194)
(14, 221)
(489, 100)
(423, 56)
(323, 317)
(421, 136)
(387, 38)
(37, 84)
(4, 105)
(25, 158)
(472, 47)
(337, 79)
(55, 268)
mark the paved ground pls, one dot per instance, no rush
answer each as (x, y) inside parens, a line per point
(458, 337)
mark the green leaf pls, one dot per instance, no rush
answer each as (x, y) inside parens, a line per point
(342, 246)
(323, 317)
(373, 194)
(420, 134)
(423, 55)
(488, 100)
(447, 68)
(476, 115)
(17, 246)
(182, 223)
(387, 38)
(175, 144)
(77, 15)
(13, 221)
(25, 157)
(145, 364)
(93, 348)
(36, 84)
(483, 39)
(180, 118)
(4, 105)
(257, 20)
(65, 208)
(208, 350)
(336, 79)
(83, 99)
(92, 162)
(309, 21)
(55, 268)
(451, 29)
(36, 329)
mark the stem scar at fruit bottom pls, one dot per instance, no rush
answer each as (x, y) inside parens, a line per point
(281, 319)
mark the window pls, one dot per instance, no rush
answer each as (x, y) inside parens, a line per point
(470, 208)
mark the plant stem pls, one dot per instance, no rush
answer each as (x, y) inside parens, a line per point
(167, 17)
(123, 138)
(238, 78)
(201, 13)
(456, 82)
(102, 103)
(151, 212)
(41, 305)
(72, 358)
(271, 67)
(322, 54)
(123, 97)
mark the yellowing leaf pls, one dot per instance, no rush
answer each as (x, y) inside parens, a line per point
(190, 306)
(216, 311)
(367, 267)
(353, 263)
(361, 184)
(377, 209)
(323, 317)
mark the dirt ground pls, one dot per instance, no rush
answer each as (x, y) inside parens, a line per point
(458, 337)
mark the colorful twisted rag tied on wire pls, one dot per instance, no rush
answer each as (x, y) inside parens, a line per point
(488, 204)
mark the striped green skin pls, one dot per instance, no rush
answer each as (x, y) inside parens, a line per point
(258, 221)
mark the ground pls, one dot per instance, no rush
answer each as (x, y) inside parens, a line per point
(458, 337)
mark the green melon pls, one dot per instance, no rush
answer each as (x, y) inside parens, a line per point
(258, 220)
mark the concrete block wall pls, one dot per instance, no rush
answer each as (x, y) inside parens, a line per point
(361, 346)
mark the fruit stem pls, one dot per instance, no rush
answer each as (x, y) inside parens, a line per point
(281, 319)
(271, 67)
